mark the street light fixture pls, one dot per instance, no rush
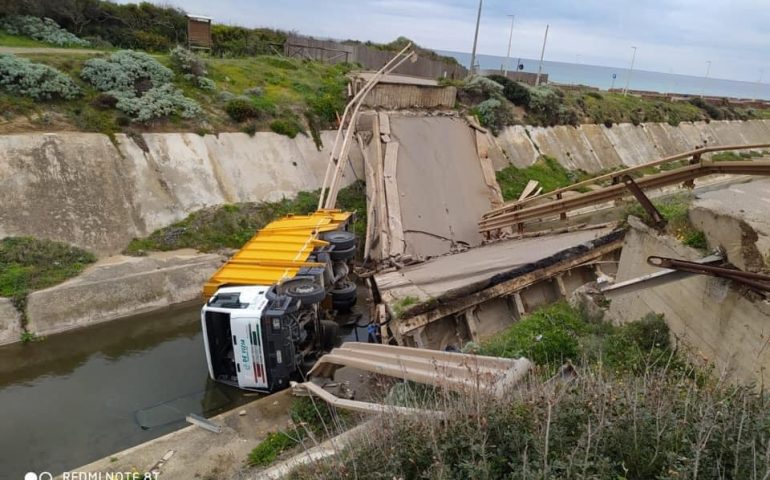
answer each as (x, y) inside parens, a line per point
(630, 71)
(508, 56)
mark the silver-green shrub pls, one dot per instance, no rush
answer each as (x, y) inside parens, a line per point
(123, 69)
(186, 61)
(157, 102)
(122, 75)
(41, 82)
(43, 29)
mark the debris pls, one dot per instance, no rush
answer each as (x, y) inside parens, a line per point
(203, 423)
(455, 371)
(242, 413)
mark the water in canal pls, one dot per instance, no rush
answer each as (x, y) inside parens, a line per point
(77, 397)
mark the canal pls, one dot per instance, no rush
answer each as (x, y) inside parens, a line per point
(76, 397)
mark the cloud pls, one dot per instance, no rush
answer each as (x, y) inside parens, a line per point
(671, 35)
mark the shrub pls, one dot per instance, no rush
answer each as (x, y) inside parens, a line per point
(241, 109)
(125, 70)
(608, 122)
(547, 336)
(544, 105)
(515, 92)
(483, 87)
(494, 114)
(158, 102)
(286, 126)
(201, 82)
(41, 82)
(185, 61)
(254, 91)
(43, 29)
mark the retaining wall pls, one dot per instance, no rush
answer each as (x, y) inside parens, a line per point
(593, 148)
(83, 189)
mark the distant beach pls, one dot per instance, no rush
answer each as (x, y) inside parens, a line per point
(601, 77)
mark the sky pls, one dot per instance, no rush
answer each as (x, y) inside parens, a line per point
(672, 36)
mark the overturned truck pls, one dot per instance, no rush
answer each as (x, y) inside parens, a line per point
(267, 314)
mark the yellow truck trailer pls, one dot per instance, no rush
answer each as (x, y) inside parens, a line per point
(263, 321)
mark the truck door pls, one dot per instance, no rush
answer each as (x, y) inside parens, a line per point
(248, 352)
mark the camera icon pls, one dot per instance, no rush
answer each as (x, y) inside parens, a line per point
(38, 476)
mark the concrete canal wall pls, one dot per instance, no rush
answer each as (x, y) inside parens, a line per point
(593, 148)
(86, 190)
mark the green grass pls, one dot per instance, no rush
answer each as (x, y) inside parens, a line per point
(293, 90)
(310, 417)
(403, 304)
(675, 210)
(28, 264)
(614, 106)
(546, 170)
(559, 333)
(230, 226)
(8, 40)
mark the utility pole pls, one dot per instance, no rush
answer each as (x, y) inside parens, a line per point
(705, 78)
(475, 40)
(508, 56)
(630, 71)
(542, 54)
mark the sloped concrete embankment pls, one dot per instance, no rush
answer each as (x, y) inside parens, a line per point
(718, 320)
(83, 189)
(114, 287)
(594, 148)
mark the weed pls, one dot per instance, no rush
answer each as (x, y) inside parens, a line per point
(28, 337)
(230, 226)
(403, 304)
(28, 264)
(547, 171)
(273, 445)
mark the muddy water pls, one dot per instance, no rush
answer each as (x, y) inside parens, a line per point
(77, 397)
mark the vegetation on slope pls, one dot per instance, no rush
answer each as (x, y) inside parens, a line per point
(635, 410)
(230, 226)
(28, 264)
(546, 170)
(675, 210)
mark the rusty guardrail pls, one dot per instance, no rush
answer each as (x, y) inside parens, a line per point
(517, 213)
(695, 156)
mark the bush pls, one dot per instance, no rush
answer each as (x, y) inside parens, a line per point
(158, 102)
(43, 29)
(288, 126)
(241, 109)
(185, 61)
(494, 114)
(545, 105)
(41, 82)
(125, 70)
(483, 87)
(201, 82)
(515, 92)
(548, 336)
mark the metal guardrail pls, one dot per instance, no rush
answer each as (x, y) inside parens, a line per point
(552, 203)
(695, 156)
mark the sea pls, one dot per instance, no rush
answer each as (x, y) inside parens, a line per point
(610, 77)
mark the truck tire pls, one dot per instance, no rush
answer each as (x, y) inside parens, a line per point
(347, 291)
(342, 255)
(329, 334)
(341, 239)
(306, 291)
(344, 306)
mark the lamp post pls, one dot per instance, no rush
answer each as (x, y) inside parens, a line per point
(476, 39)
(630, 71)
(508, 55)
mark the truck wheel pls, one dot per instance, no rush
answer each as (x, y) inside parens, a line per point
(344, 306)
(347, 291)
(341, 239)
(329, 334)
(342, 255)
(306, 291)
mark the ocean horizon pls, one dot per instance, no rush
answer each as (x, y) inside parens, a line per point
(602, 77)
